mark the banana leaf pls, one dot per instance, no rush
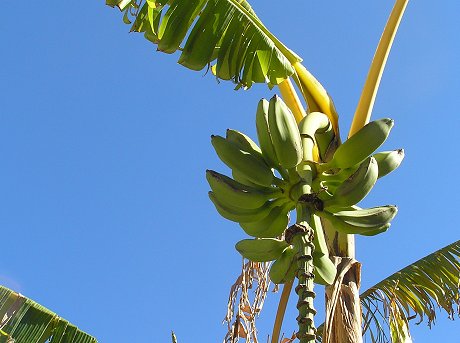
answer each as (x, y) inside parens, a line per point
(25, 321)
(419, 290)
(225, 31)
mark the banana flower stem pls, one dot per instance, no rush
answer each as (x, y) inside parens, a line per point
(301, 236)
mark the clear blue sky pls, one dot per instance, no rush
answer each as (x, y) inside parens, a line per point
(104, 145)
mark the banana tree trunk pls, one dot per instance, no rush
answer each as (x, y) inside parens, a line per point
(343, 307)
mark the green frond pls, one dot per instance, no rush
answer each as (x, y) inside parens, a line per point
(225, 31)
(416, 291)
(23, 320)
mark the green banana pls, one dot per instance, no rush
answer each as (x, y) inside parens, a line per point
(325, 269)
(319, 241)
(237, 176)
(362, 144)
(284, 133)
(244, 142)
(389, 161)
(356, 187)
(326, 142)
(273, 225)
(229, 191)
(348, 228)
(241, 215)
(250, 166)
(263, 134)
(285, 267)
(261, 249)
(368, 217)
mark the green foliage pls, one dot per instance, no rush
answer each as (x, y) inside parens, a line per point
(417, 290)
(25, 321)
(226, 31)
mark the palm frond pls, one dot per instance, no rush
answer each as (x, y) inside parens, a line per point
(417, 290)
(23, 320)
(226, 31)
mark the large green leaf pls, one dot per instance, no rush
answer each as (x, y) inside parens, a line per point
(417, 290)
(25, 321)
(226, 31)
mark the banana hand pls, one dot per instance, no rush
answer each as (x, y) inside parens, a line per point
(250, 166)
(361, 145)
(230, 192)
(261, 250)
(356, 187)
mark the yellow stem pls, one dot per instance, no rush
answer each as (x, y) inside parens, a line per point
(366, 102)
(281, 311)
(291, 99)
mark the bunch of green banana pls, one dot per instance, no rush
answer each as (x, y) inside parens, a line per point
(301, 167)
(271, 179)
(255, 197)
(284, 267)
(387, 162)
(355, 187)
(284, 256)
(352, 172)
(347, 178)
(325, 270)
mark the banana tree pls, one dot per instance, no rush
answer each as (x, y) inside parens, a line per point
(228, 37)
